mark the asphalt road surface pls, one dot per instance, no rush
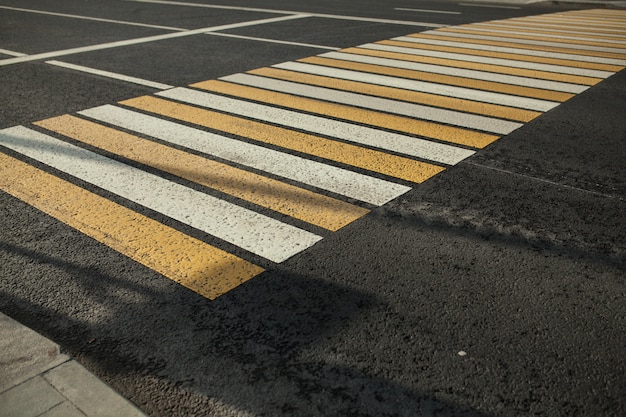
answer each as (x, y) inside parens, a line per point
(296, 208)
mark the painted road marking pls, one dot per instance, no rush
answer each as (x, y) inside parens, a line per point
(147, 39)
(293, 146)
(323, 176)
(288, 12)
(485, 64)
(516, 61)
(249, 230)
(535, 40)
(96, 19)
(400, 95)
(379, 104)
(521, 34)
(284, 198)
(113, 75)
(369, 159)
(554, 30)
(324, 126)
(438, 74)
(410, 80)
(190, 262)
(600, 58)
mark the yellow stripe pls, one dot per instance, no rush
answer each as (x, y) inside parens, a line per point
(442, 79)
(284, 198)
(392, 165)
(502, 55)
(370, 117)
(468, 106)
(598, 14)
(542, 48)
(575, 22)
(573, 42)
(587, 21)
(575, 79)
(202, 268)
(527, 27)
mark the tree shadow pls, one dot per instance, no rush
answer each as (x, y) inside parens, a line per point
(254, 351)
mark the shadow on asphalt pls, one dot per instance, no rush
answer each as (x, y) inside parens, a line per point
(248, 353)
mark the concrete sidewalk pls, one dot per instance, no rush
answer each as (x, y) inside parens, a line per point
(37, 380)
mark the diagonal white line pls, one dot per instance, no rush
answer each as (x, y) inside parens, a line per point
(54, 54)
(277, 11)
(96, 19)
(110, 74)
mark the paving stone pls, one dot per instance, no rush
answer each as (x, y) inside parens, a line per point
(66, 409)
(92, 396)
(29, 399)
(24, 353)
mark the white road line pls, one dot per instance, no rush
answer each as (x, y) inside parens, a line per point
(496, 30)
(54, 54)
(307, 45)
(518, 51)
(404, 9)
(326, 177)
(425, 87)
(97, 19)
(347, 131)
(277, 11)
(418, 111)
(490, 6)
(109, 74)
(539, 28)
(459, 72)
(11, 53)
(494, 61)
(559, 23)
(566, 45)
(247, 229)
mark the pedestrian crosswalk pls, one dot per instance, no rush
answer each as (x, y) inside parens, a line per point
(272, 160)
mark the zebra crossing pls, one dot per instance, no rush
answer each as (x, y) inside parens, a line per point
(274, 159)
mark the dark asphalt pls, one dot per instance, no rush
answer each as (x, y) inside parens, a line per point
(494, 289)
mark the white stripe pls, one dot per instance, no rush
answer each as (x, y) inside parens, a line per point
(359, 134)
(97, 19)
(565, 45)
(425, 10)
(414, 85)
(53, 54)
(490, 6)
(11, 53)
(608, 21)
(307, 45)
(493, 61)
(518, 51)
(109, 74)
(561, 29)
(497, 29)
(252, 231)
(484, 123)
(565, 23)
(459, 72)
(278, 11)
(326, 177)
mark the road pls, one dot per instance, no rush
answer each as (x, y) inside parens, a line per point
(321, 208)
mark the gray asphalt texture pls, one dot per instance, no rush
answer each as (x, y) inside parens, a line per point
(493, 289)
